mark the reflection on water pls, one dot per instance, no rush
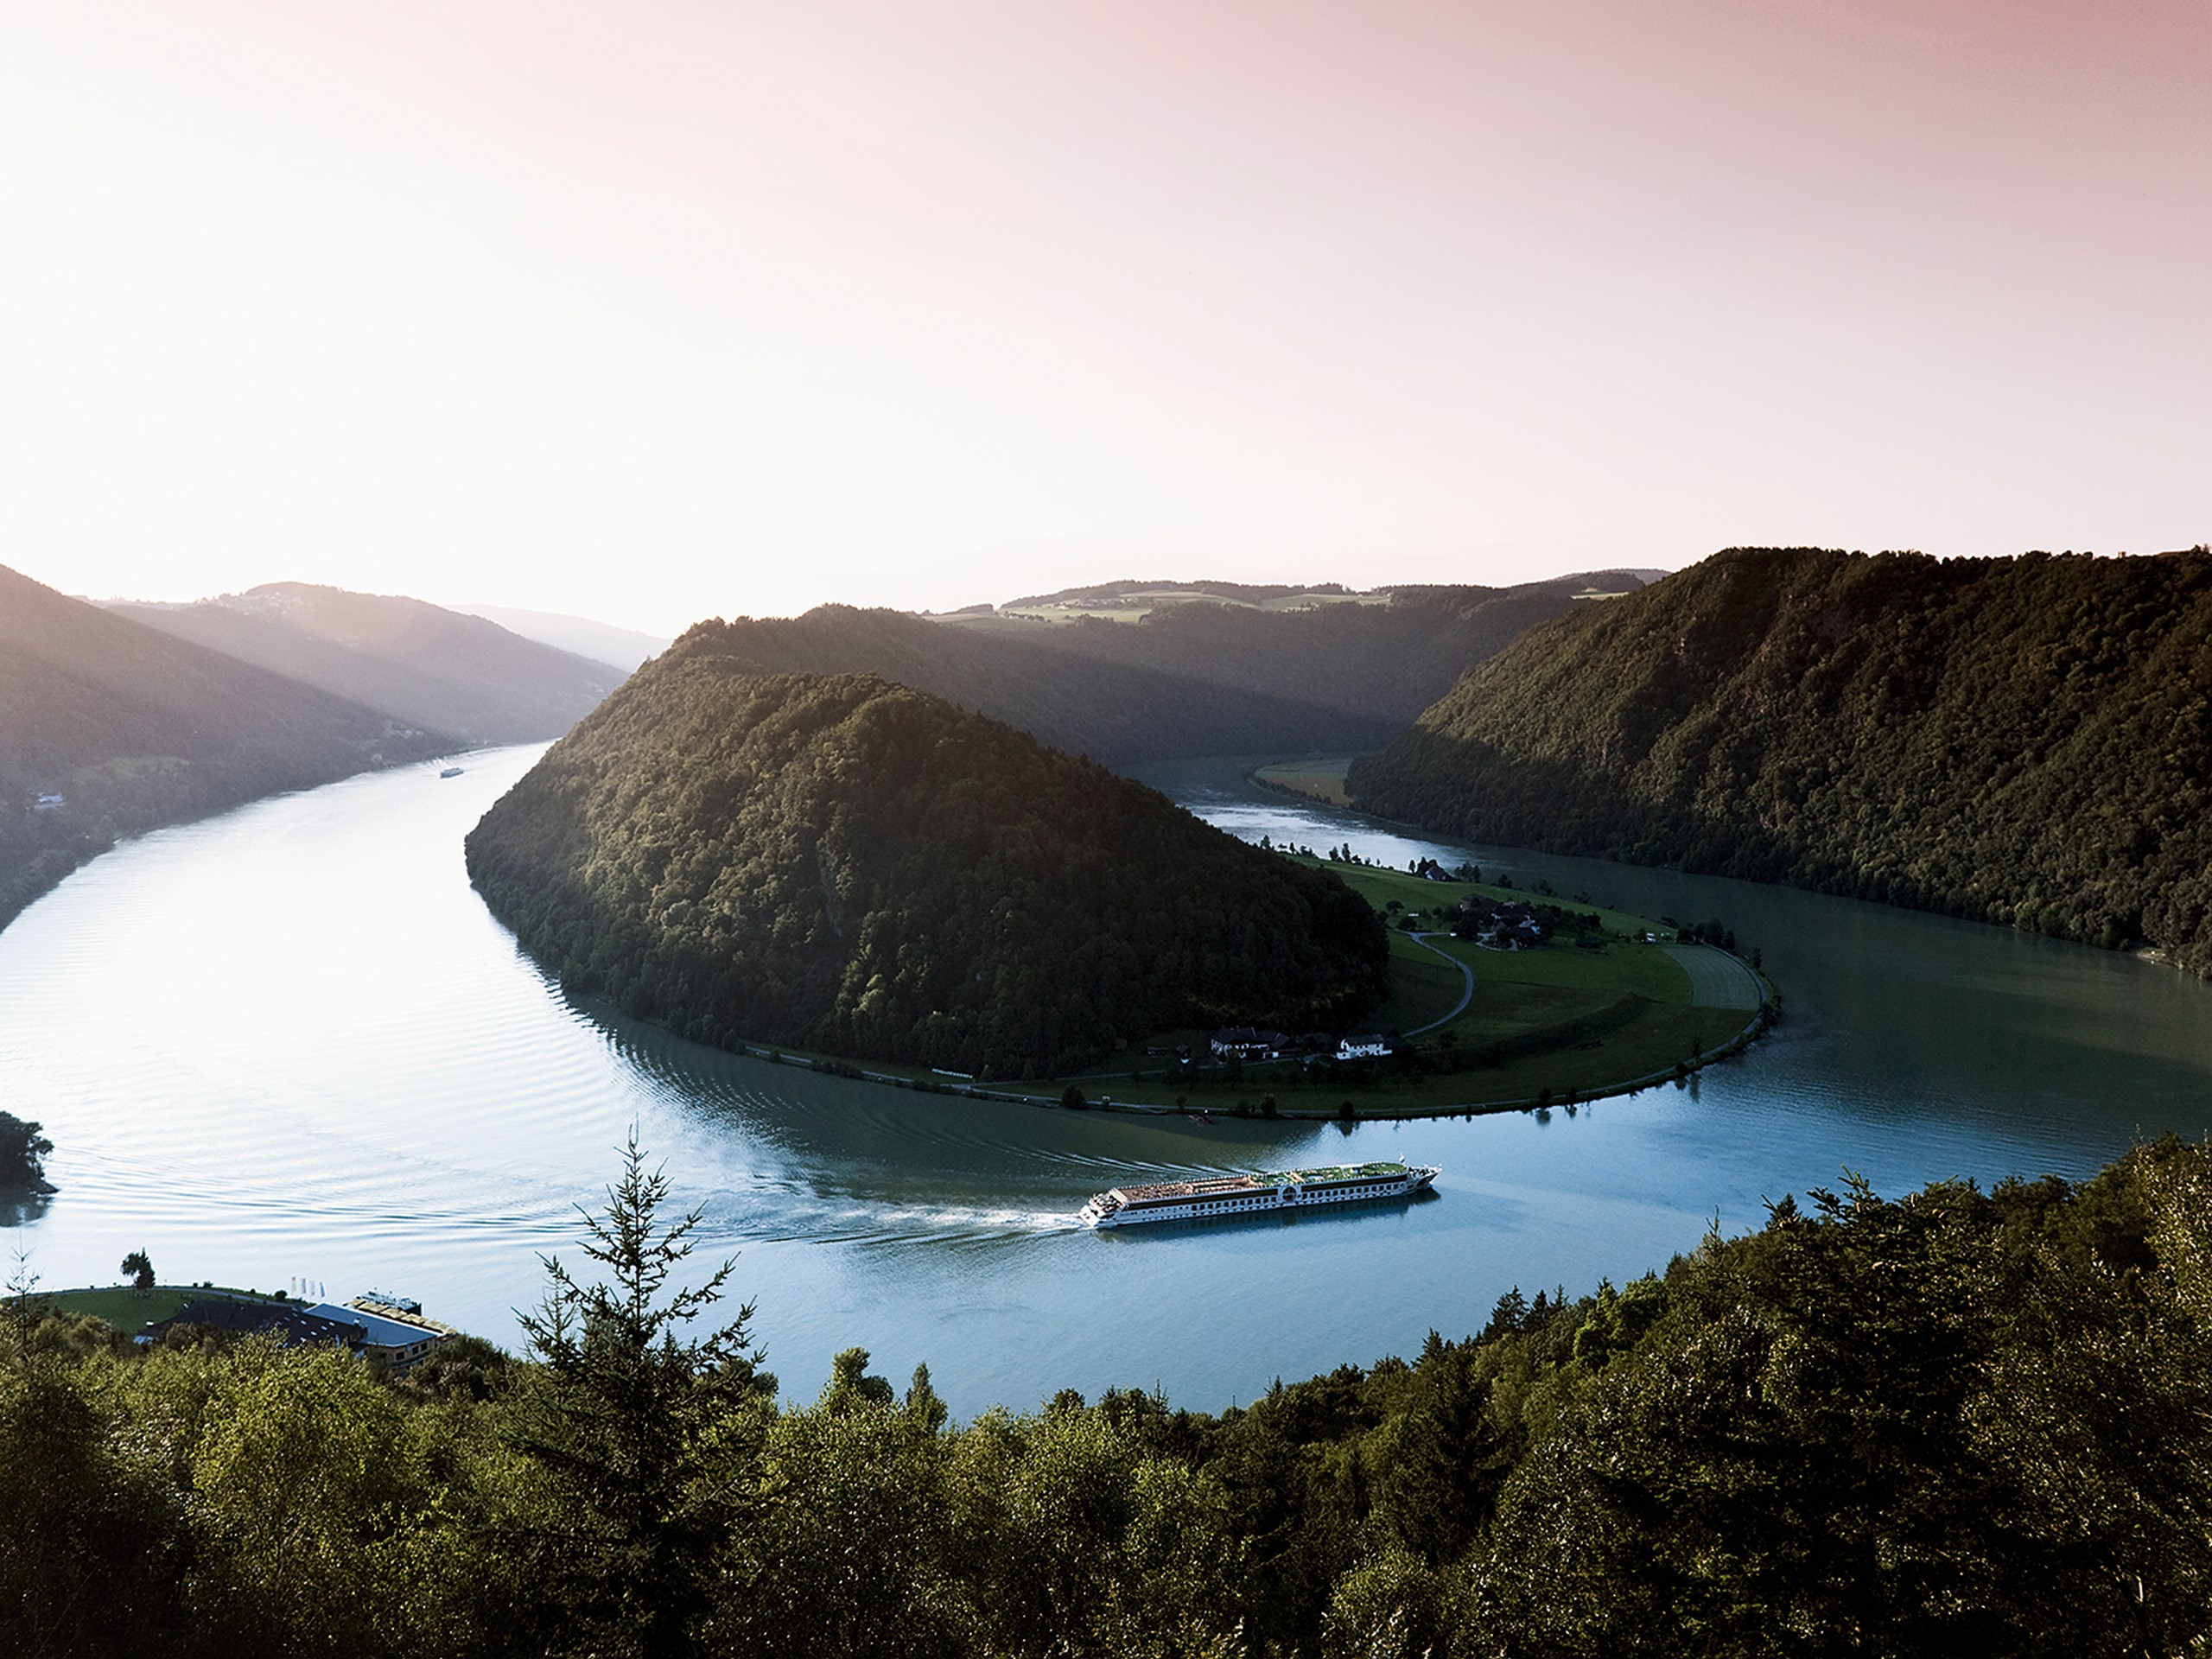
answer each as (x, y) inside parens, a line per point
(290, 1041)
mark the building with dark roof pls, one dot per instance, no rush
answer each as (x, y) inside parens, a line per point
(288, 1322)
(392, 1332)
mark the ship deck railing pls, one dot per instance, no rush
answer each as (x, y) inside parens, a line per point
(1259, 1181)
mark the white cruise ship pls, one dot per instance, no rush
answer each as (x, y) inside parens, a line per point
(1267, 1191)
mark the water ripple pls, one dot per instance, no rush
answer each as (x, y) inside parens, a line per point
(290, 1041)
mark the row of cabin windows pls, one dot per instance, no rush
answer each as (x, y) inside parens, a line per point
(1247, 1203)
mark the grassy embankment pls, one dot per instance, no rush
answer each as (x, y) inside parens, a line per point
(1314, 780)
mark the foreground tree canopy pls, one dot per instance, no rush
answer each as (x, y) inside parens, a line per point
(840, 863)
(1959, 1422)
(2026, 741)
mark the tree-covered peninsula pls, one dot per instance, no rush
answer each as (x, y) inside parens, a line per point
(843, 864)
(2026, 741)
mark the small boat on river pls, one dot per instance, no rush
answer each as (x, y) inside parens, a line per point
(450, 771)
(1266, 1191)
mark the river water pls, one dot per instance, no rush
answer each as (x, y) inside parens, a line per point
(290, 1043)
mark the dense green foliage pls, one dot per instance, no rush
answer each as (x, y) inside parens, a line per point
(133, 729)
(23, 1147)
(627, 1418)
(432, 668)
(1960, 1423)
(2024, 740)
(855, 867)
(1191, 679)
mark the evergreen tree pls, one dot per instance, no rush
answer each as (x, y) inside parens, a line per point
(23, 1147)
(641, 1433)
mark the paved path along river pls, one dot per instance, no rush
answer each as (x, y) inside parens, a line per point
(1467, 986)
(1717, 979)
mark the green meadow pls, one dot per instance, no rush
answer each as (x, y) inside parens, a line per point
(1607, 1003)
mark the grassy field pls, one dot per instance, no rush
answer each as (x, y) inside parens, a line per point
(1562, 1023)
(127, 1309)
(1423, 989)
(1316, 780)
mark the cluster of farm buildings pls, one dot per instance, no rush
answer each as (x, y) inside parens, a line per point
(1501, 924)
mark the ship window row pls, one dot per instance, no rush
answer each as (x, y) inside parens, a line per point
(1267, 1200)
(1370, 1191)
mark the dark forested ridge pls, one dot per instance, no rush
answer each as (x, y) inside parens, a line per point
(437, 669)
(1956, 1423)
(1189, 679)
(2023, 741)
(130, 728)
(843, 864)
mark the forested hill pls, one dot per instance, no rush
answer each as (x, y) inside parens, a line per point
(838, 863)
(1188, 679)
(2023, 741)
(431, 667)
(131, 728)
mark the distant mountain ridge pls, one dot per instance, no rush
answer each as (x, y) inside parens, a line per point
(431, 667)
(1131, 592)
(130, 728)
(835, 863)
(1120, 593)
(622, 648)
(1189, 679)
(2025, 741)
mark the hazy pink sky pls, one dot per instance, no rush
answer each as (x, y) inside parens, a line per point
(695, 306)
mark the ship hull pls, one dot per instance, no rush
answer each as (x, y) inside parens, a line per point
(1277, 1192)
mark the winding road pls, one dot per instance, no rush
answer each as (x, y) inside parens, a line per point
(1466, 990)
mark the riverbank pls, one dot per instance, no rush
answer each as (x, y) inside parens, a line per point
(1603, 1003)
(354, 1073)
(1286, 1090)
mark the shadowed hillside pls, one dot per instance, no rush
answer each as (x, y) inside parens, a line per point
(1189, 678)
(131, 728)
(843, 864)
(430, 667)
(2023, 741)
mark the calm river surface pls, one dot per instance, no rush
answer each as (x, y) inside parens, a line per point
(290, 1041)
